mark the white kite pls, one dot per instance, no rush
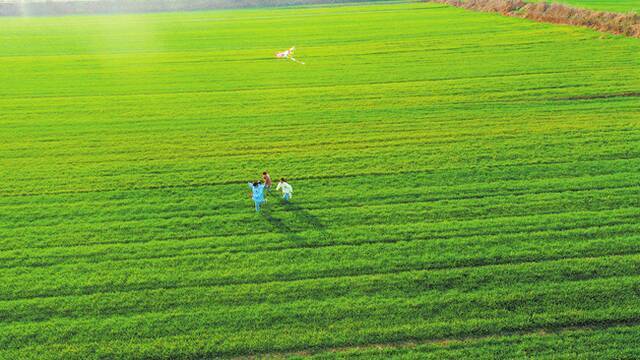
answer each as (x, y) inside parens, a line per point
(288, 54)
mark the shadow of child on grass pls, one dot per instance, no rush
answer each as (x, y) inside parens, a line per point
(297, 217)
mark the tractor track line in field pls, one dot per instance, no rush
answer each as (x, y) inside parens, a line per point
(318, 177)
(233, 248)
(301, 88)
(206, 250)
(231, 235)
(293, 233)
(49, 313)
(127, 157)
(435, 118)
(353, 144)
(213, 284)
(296, 233)
(106, 313)
(600, 96)
(416, 147)
(557, 325)
(438, 193)
(566, 175)
(179, 208)
(444, 342)
(486, 288)
(529, 198)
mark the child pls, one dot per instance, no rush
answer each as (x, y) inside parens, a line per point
(267, 181)
(257, 193)
(287, 190)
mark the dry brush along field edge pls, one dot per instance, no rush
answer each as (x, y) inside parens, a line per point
(605, 21)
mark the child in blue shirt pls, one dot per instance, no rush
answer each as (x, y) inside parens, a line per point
(257, 193)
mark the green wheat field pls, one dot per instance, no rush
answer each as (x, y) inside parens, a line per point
(466, 185)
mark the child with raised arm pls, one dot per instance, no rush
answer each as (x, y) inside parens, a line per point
(257, 193)
(286, 189)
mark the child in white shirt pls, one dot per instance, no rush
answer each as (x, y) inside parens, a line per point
(287, 190)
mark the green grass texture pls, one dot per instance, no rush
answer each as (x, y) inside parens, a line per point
(465, 185)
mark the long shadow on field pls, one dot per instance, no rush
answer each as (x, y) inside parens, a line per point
(276, 223)
(303, 216)
(300, 219)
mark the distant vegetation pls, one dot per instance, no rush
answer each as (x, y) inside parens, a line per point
(41, 8)
(606, 5)
(616, 23)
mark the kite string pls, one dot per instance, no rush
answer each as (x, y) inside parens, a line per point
(294, 60)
